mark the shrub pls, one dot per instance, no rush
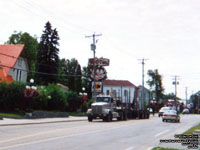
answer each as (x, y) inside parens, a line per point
(86, 105)
(73, 101)
(11, 96)
(52, 97)
(3, 94)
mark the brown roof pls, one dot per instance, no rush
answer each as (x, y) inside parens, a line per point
(117, 83)
(8, 57)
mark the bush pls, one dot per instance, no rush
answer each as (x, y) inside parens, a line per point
(52, 97)
(12, 96)
(86, 105)
(73, 101)
(3, 94)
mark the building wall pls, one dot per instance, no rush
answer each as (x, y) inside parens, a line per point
(17, 74)
(126, 93)
(147, 96)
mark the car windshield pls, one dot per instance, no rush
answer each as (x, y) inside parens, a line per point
(103, 99)
(165, 108)
(171, 112)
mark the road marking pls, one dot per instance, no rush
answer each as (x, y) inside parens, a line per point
(40, 133)
(161, 133)
(53, 131)
(57, 138)
(130, 148)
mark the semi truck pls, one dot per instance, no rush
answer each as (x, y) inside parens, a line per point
(107, 107)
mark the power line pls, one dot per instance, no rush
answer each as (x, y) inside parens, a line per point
(21, 59)
(43, 73)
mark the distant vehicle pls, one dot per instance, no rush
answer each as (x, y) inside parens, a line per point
(185, 111)
(162, 110)
(107, 107)
(171, 115)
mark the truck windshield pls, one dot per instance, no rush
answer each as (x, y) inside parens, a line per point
(103, 99)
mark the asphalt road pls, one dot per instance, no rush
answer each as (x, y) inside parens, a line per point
(96, 135)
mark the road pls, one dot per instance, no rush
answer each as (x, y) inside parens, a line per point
(98, 135)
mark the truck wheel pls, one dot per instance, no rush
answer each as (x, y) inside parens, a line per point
(119, 118)
(105, 119)
(109, 117)
(90, 119)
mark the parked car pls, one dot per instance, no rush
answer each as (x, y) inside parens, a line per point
(171, 115)
(185, 111)
(162, 110)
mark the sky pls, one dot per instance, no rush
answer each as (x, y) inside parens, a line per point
(165, 32)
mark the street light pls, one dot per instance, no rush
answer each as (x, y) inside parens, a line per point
(30, 89)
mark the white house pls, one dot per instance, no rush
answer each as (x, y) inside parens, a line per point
(13, 63)
(120, 88)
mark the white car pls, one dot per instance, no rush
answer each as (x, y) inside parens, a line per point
(171, 115)
(163, 109)
(185, 111)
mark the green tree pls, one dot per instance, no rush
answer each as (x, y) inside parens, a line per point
(30, 48)
(62, 72)
(170, 96)
(195, 99)
(87, 80)
(155, 83)
(70, 74)
(48, 59)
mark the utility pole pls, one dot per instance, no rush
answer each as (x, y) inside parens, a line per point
(186, 88)
(143, 63)
(175, 82)
(93, 48)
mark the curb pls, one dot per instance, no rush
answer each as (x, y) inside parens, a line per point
(47, 122)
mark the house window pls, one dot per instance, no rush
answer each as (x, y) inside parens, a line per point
(19, 62)
(107, 92)
(19, 75)
(125, 92)
(114, 93)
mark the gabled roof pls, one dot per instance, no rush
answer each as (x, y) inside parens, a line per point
(8, 57)
(9, 54)
(117, 83)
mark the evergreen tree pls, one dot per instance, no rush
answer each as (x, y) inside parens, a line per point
(48, 59)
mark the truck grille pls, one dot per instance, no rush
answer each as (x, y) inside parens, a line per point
(96, 109)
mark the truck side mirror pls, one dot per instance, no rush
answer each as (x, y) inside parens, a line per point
(111, 100)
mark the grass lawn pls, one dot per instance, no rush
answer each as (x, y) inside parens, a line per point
(188, 132)
(191, 131)
(11, 114)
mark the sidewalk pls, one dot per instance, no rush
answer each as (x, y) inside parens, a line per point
(11, 122)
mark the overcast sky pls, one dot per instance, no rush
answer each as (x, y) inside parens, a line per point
(166, 32)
